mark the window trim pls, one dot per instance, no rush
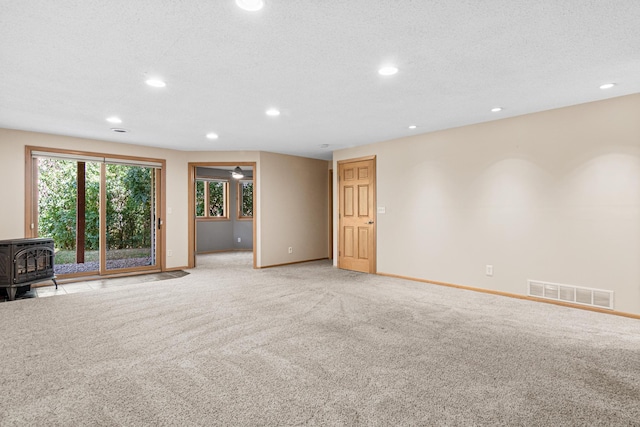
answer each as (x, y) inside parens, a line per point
(207, 216)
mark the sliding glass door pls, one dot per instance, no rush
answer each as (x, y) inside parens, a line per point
(102, 213)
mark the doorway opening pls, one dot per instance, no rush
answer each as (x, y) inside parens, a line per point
(222, 214)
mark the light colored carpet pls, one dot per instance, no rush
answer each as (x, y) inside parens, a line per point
(311, 345)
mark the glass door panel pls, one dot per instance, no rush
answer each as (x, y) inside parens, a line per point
(68, 211)
(130, 217)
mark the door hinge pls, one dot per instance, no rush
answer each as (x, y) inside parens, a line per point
(159, 223)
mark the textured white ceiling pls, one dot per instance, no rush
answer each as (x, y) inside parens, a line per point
(66, 65)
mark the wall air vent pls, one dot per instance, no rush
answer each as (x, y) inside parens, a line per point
(575, 294)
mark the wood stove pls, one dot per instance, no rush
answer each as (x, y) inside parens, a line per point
(24, 262)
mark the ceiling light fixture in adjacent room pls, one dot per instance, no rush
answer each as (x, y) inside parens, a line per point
(212, 135)
(607, 86)
(250, 5)
(272, 112)
(413, 127)
(114, 120)
(496, 109)
(155, 83)
(237, 173)
(389, 70)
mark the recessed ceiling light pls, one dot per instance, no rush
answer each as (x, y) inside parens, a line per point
(114, 119)
(388, 70)
(250, 5)
(413, 127)
(212, 135)
(496, 109)
(119, 130)
(155, 83)
(607, 86)
(272, 112)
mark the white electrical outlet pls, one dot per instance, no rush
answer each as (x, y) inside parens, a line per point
(169, 252)
(488, 270)
(290, 250)
(239, 239)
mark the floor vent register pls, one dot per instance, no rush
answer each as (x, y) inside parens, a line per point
(600, 298)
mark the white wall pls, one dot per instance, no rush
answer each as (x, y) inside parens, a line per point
(552, 196)
(294, 197)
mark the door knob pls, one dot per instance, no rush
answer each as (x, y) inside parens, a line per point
(370, 222)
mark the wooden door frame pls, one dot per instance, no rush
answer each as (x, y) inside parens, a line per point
(374, 257)
(31, 201)
(192, 205)
(331, 214)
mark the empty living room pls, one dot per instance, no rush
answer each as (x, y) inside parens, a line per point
(273, 213)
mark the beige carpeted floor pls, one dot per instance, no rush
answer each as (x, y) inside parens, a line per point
(311, 345)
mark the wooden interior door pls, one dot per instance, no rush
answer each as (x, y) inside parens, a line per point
(357, 215)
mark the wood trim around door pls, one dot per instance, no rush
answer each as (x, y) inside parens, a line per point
(331, 214)
(191, 211)
(31, 202)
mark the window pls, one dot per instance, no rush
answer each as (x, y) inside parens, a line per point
(200, 199)
(245, 199)
(217, 198)
(211, 198)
